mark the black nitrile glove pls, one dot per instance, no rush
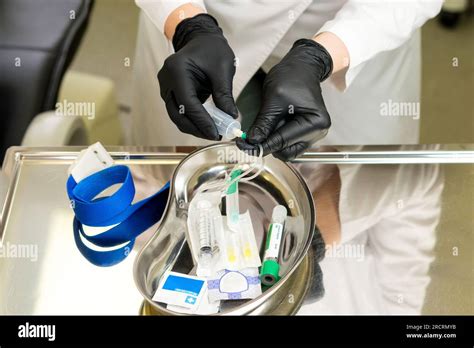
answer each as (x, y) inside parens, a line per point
(202, 65)
(293, 115)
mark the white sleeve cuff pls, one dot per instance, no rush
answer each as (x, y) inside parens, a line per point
(159, 10)
(349, 38)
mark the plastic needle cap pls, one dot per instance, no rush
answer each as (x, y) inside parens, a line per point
(225, 124)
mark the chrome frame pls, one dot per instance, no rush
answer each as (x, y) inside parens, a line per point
(16, 156)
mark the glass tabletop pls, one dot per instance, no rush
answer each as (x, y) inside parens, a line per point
(397, 222)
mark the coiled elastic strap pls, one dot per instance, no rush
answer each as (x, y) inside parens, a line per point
(127, 220)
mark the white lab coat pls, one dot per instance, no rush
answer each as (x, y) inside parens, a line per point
(388, 216)
(382, 38)
(383, 41)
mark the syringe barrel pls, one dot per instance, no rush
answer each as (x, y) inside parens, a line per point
(225, 124)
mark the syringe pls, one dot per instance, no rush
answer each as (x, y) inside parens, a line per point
(232, 212)
(226, 125)
(206, 236)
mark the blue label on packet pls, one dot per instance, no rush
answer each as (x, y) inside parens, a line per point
(181, 284)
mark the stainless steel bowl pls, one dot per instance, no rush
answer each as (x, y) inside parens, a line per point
(278, 183)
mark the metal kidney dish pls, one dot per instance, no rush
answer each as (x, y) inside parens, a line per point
(278, 183)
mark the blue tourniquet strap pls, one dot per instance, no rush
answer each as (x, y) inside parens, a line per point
(130, 220)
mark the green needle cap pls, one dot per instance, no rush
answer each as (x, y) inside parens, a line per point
(233, 188)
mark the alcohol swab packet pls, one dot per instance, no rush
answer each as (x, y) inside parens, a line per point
(205, 306)
(180, 290)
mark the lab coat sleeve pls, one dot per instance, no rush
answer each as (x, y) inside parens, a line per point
(159, 10)
(368, 27)
(403, 246)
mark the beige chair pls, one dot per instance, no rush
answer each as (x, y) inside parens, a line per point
(86, 112)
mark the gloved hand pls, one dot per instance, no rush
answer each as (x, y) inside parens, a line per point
(202, 65)
(293, 115)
